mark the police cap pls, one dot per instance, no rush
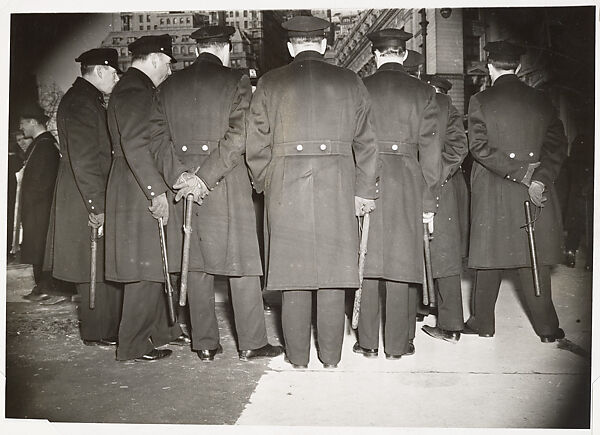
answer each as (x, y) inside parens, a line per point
(100, 56)
(213, 33)
(153, 44)
(439, 82)
(306, 25)
(504, 50)
(389, 38)
(32, 110)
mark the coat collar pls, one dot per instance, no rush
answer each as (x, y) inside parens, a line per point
(506, 78)
(208, 57)
(141, 75)
(39, 139)
(84, 85)
(308, 55)
(392, 66)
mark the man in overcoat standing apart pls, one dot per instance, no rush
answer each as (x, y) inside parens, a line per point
(199, 122)
(405, 118)
(519, 145)
(135, 200)
(447, 242)
(79, 198)
(39, 176)
(312, 150)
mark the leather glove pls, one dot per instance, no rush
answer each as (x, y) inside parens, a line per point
(97, 221)
(530, 168)
(363, 206)
(536, 193)
(428, 219)
(190, 184)
(160, 208)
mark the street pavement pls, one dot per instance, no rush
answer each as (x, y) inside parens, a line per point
(509, 381)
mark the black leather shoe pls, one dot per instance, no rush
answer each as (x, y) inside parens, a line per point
(369, 353)
(570, 258)
(558, 335)
(329, 366)
(470, 331)
(441, 334)
(103, 342)
(268, 308)
(209, 354)
(182, 340)
(154, 355)
(392, 356)
(36, 296)
(411, 348)
(420, 317)
(267, 351)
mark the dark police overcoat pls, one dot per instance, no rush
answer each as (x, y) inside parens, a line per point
(510, 126)
(39, 177)
(448, 235)
(81, 183)
(405, 115)
(311, 148)
(199, 121)
(132, 238)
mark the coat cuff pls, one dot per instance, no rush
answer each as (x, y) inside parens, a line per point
(366, 189)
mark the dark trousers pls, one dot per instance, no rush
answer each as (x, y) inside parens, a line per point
(246, 298)
(449, 303)
(296, 316)
(103, 321)
(483, 302)
(400, 316)
(144, 320)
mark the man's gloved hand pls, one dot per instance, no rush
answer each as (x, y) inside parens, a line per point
(363, 206)
(530, 169)
(428, 219)
(97, 221)
(536, 193)
(190, 184)
(160, 208)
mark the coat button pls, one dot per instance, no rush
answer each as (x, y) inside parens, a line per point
(377, 183)
(299, 147)
(395, 147)
(92, 207)
(530, 154)
(204, 147)
(376, 190)
(151, 193)
(511, 155)
(323, 147)
(90, 201)
(112, 152)
(184, 148)
(149, 187)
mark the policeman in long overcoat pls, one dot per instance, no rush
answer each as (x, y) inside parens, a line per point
(518, 144)
(405, 119)
(446, 244)
(79, 197)
(199, 120)
(37, 186)
(135, 200)
(312, 150)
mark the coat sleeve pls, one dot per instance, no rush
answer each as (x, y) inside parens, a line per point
(430, 154)
(233, 145)
(364, 145)
(259, 140)
(455, 148)
(42, 169)
(491, 158)
(553, 152)
(82, 147)
(133, 115)
(168, 164)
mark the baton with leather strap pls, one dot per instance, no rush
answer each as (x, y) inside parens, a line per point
(532, 248)
(428, 286)
(94, 251)
(362, 254)
(185, 258)
(17, 220)
(165, 262)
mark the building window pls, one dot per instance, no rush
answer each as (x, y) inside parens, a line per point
(141, 18)
(245, 14)
(123, 51)
(175, 50)
(116, 41)
(155, 27)
(168, 21)
(162, 21)
(191, 49)
(147, 18)
(141, 27)
(245, 24)
(237, 13)
(187, 20)
(185, 38)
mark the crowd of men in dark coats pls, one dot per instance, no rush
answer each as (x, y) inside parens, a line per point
(326, 148)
